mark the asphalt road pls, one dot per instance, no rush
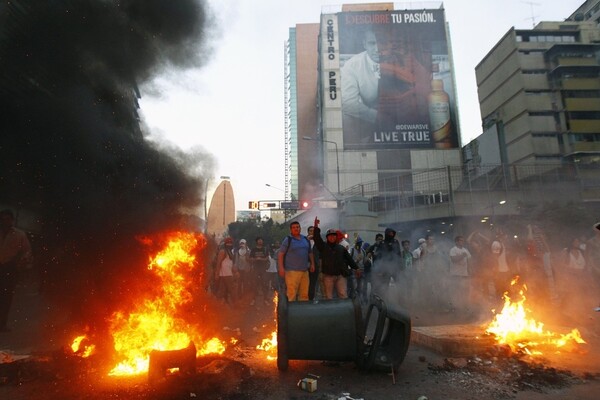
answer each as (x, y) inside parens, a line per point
(244, 373)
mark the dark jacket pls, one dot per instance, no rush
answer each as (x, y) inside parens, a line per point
(334, 257)
(388, 251)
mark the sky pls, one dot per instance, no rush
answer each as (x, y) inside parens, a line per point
(233, 107)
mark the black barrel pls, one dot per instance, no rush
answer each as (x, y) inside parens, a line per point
(326, 330)
(334, 330)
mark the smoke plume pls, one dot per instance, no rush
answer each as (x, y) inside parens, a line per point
(72, 149)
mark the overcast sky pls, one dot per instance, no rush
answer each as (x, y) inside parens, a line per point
(233, 107)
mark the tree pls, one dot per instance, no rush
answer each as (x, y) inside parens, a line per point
(250, 230)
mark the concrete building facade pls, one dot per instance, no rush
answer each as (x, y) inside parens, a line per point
(302, 171)
(541, 89)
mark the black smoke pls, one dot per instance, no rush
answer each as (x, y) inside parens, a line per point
(73, 151)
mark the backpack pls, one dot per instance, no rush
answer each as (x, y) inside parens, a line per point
(289, 243)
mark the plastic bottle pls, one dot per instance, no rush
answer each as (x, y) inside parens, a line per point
(439, 115)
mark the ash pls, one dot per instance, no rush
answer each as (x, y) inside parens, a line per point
(503, 376)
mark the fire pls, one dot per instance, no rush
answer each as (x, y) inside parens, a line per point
(213, 346)
(155, 322)
(83, 351)
(513, 328)
(269, 344)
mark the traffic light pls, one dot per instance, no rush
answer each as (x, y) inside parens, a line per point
(253, 205)
(305, 205)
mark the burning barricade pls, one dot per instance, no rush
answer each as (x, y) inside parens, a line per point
(515, 328)
(154, 335)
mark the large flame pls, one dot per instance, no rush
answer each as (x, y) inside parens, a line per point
(155, 323)
(514, 328)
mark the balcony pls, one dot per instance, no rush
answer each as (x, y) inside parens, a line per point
(581, 104)
(584, 125)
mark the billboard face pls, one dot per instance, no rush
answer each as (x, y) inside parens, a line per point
(393, 84)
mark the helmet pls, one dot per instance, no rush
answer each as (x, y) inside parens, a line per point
(331, 232)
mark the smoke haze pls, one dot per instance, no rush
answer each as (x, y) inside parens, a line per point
(73, 151)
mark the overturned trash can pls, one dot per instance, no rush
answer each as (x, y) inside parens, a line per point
(386, 336)
(334, 330)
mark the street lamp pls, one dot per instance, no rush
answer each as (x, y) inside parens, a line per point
(286, 211)
(337, 159)
(274, 187)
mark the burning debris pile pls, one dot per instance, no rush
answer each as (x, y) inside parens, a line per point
(163, 336)
(517, 353)
(514, 328)
(162, 319)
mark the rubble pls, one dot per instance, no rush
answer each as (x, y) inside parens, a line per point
(503, 376)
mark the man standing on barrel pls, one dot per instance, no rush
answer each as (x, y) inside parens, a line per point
(335, 262)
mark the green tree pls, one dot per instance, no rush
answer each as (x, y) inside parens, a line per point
(250, 230)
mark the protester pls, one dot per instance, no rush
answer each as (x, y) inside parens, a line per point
(542, 249)
(502, 274)
(335, 263)
(313, 277)
(592, 253)
(15, 253)
(295, 260)
(244, 267)
(225, 272)
(387, 262)
(358, 286)
(271, 273)
(434, 265)
(406, 276)
(259, 257)
(460, 280)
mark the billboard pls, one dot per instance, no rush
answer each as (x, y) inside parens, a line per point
(388, 74)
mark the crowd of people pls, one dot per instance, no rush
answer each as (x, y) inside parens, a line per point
(466, 276)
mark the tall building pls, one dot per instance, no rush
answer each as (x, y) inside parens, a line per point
(588, 11)
(540, 89)
(302, 168)
(346, 126)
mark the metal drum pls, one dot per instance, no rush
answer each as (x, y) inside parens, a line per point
(334, 330)
(325, 330)
(386, 336)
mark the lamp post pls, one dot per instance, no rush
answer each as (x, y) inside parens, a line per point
(337, 159)
(274, 187)
(285, 212)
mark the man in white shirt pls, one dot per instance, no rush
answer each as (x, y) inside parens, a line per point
(360, 81)
(459, 275)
